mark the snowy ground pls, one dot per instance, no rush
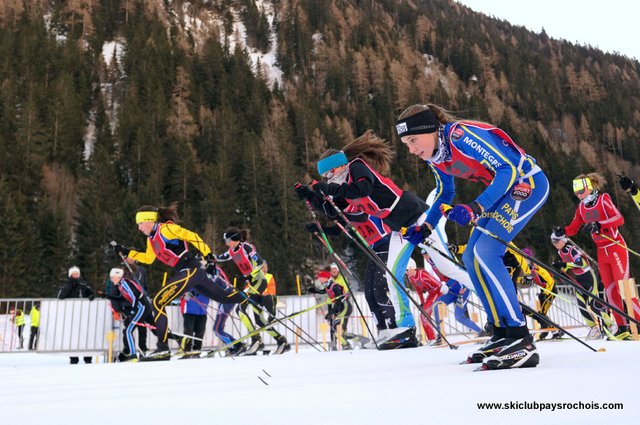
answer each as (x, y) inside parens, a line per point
(418, 386)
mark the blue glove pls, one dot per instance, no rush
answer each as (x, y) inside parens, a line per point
(463, 214)
(416, 234)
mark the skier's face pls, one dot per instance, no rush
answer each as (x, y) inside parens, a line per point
(581, 194)
(116, 280)
(231, 243)
(421, 145)
(146, 227)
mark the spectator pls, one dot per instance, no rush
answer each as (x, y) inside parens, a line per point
(76, 287)
(35, 325)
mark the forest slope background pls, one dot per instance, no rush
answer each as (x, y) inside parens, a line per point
(107, 105)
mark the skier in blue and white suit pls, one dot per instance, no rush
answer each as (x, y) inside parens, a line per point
(517, 188)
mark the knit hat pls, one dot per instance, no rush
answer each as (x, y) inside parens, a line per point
(74, 270)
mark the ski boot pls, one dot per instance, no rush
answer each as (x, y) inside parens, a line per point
(492, 346)
(256, 345)
(519, 353)
(282, 347)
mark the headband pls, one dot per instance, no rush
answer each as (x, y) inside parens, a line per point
(331, 162)
(582, 184)
(146, 216)
(424, 122)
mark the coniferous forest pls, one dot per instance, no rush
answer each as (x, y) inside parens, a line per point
(221, 105)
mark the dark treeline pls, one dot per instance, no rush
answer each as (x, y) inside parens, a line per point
(180, 113)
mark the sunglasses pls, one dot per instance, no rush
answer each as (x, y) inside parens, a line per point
(580, 192)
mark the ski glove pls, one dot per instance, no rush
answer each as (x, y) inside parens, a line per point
(527, 281)
(210, 267)
(303, 192)
(592, 228)
(322, 188)
(462, 214)
(416, 234)
(559, 265)
(444, 289)
(557, 232)
(311, 227)
(121, 250)
(628, 185)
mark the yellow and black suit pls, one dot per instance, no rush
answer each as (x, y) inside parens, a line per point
(170, 243)
(523, 275)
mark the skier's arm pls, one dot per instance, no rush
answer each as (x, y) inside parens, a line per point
(615, 217)
(146, 257)
(575, 224)
(174, 231)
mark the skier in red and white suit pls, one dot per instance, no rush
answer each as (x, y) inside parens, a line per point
(598, 215)
(428, 289)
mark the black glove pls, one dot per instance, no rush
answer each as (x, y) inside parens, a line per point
(628, 185)
(592, 228)
(322, 188)
(559, 265)
(558, 232)
(329, 317)
(527, 281)
(210, 267)
(92, 297)
(121, 250)
(311, 227)
(303, 192)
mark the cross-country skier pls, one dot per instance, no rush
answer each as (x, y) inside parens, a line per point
(339, 310)
(130, 300)
(376, 291)
(246, 258)
(517, 188)
(174, 246)
(597, 214)
(357, 175)
(524, 274)
(574, 264)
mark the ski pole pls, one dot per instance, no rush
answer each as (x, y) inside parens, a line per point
(583, 252)
(341, 265)
(554, 272)
(261, 329)
(362, 244)
(540, 316)
(619, 244)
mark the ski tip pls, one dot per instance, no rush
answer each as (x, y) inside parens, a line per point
(601, 350)
(453, 346)
(482, 368)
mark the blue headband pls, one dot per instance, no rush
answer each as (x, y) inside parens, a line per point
(331, 162)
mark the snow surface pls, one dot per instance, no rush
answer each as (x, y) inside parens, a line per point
(418, 386)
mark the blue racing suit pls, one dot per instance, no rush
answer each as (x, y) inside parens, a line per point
(517, 188)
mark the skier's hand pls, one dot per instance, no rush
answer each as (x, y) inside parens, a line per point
(187, 295)
(303, 192)
(462, 214)
(628, 185)
(557, 232)
(311, 227)
(527, 281)
(559, 265)
(120, 249)
(444, 289)
(91, 297)
(416, 234)
(592, 228)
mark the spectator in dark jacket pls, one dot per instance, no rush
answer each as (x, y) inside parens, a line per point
(76, 287)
